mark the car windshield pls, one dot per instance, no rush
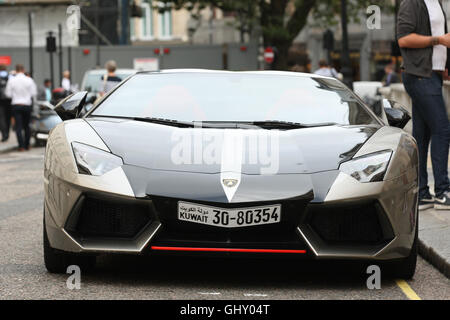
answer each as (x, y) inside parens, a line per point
(94, 82)
(235, 97)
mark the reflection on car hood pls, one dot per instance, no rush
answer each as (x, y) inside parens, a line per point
(202, 150)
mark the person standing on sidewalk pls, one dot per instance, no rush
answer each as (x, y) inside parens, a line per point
(22, 89)
(326, 70)
(65, 82)
(390, 76)
(110, 80)
(5, 105)
(424, 40)
(45, 92)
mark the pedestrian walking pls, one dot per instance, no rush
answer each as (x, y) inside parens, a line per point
(110, 80)
(65, 82)
(21, 89)
(45, 92)
(424, 40)
(390, 76)
(5, 105)
(325, 70)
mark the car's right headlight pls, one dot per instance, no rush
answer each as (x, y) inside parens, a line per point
(93, 161)
(368, 168)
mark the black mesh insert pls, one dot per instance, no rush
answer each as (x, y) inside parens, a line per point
(103, 218)
(347, 224)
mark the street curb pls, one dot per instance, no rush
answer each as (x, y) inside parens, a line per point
(430, 255)
(8, 149)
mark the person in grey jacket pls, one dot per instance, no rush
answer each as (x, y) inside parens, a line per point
(424, 40)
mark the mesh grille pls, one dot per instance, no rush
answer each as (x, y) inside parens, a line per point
(112, 219)
(352, 224)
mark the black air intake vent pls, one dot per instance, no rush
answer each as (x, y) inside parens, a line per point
(351, 224)
(109, 218)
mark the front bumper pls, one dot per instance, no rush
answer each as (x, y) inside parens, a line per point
(392, 205)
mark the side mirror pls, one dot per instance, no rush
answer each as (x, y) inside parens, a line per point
(70, 107)
(91, 98)
(396, 114)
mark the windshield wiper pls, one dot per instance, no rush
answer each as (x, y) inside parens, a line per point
(167, 122)
(286, 125)
(268, 124)
(186, 124)
(225, 124)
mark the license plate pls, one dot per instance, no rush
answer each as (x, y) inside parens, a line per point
(229, 218)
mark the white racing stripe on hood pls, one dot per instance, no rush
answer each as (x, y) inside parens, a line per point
(231, 164)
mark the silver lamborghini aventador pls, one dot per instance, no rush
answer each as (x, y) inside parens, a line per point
(195, 162)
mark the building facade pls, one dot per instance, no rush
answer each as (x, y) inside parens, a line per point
(46, 15)
(370, 49)
(162, 23)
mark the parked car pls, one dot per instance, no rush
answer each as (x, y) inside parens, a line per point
(369, 92)
(169, 163)
(93, 83)
(45, 118)
(93, 79)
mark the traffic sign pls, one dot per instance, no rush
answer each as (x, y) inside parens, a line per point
(50, 45)
(146, 64)
(269, 55)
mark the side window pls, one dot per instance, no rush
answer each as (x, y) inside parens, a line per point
(142, 28)
(165, 22)
(146, 21)
(133, 34)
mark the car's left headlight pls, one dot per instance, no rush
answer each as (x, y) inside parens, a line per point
(368, 168)
(93, 161)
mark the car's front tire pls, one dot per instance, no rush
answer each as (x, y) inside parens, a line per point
(57, 261)
(406, 268)
(39, 143)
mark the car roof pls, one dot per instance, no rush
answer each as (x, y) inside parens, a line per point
(265, 72)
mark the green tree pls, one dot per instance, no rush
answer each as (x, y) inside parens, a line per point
(281, 20)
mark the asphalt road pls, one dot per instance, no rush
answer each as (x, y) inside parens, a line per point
(23, 275)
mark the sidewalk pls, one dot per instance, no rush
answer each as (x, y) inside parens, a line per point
(434, 234)
(434, 238)
(9, 145)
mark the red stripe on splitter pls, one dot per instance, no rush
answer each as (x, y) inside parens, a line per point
(226, 250)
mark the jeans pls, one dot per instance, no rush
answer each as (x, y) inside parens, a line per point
(5, 118)
(22, 116)
(430, 122)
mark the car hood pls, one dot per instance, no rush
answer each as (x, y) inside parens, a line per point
(203, 150)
